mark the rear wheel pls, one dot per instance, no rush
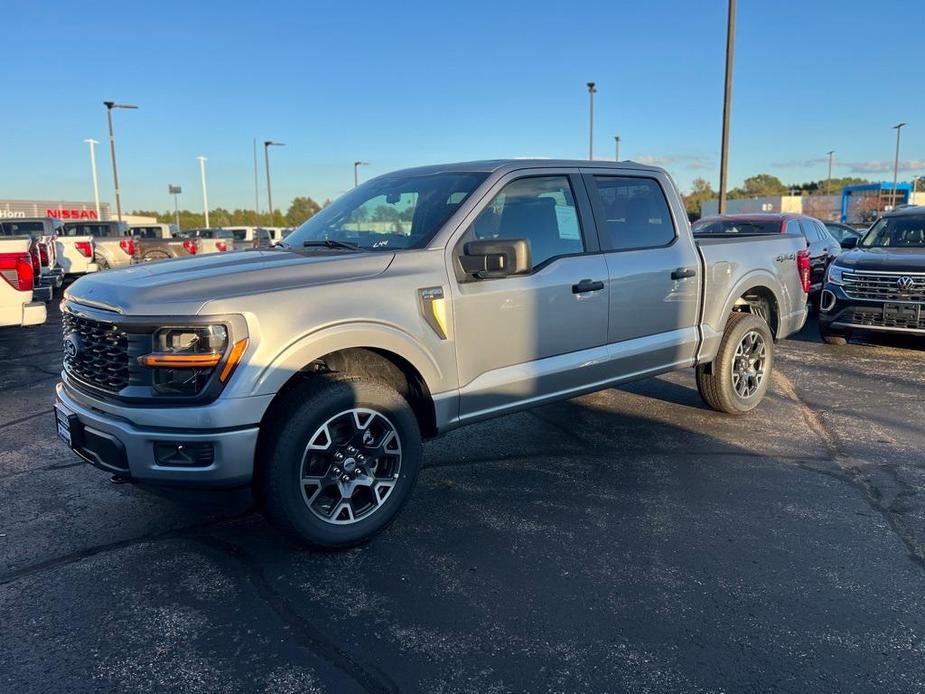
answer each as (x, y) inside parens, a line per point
(737, 379)
(342, 464)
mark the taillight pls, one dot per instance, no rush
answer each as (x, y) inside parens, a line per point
(127, 245)
(190, 246)
(221, 246)
(17, 270)
(43, 253)
(803, 269)
(36, 263)
(85, 248)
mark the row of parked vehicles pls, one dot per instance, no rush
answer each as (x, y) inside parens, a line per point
(36, 254)
(871, 280)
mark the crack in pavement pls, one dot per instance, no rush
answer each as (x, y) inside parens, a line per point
(369, 677)
(13, 422)
(86, 553)
(854, 472)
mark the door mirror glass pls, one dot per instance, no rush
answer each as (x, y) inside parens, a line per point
(849, 241)
(492, 258)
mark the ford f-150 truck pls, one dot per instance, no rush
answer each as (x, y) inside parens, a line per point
(17, 280)
(160, 242)
(312, 371)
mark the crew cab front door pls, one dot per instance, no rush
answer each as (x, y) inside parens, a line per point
(654, 273)
(524, 338)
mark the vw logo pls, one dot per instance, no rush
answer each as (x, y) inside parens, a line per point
(71, 347)
(905, 284)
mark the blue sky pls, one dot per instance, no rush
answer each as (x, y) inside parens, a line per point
(409, 83)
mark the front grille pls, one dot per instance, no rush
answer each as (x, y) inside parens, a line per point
(884, 286)
(908, 317)
(99, 356)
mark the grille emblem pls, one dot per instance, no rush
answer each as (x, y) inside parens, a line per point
(71, 347)
(905, 284)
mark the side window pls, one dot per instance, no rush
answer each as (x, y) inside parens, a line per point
(540, 209)
(824, 233)
(793, 227)
(809, 230)
(635, 213)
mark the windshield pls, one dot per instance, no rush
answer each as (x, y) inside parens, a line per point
(736, 226)
(388, 213)
(905, 231)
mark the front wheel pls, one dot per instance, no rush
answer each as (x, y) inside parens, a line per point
(737, 379)
(342, 464)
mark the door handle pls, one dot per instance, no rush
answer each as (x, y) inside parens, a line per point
(683, 273)
(587, 286)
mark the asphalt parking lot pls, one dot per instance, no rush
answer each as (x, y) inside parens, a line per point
(630, 540)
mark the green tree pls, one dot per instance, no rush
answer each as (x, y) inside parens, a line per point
(701, 191)
(301, 209)
(759, 186)
(386, 213)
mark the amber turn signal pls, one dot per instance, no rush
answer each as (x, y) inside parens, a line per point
(233, 358)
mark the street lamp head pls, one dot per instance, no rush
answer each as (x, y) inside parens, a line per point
(112, 104)
(361, 163)
(898, 126)
(270, 143)
(91, 141)
(592, 87)
(202, 158)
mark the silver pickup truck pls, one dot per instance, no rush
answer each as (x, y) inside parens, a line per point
(420, 301)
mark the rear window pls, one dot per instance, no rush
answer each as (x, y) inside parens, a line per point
(735, 226)
(97, 230)
(22, 228)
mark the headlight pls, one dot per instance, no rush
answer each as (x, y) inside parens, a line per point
(185, 358)
(833, 274)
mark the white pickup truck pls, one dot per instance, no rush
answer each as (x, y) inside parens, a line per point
(17, 279)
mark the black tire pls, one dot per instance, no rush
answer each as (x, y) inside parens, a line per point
(715, 381)
(832, 337)
(301, 413)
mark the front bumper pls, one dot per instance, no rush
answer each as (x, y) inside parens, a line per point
(118, 445)
(52, 278)
(839, 312)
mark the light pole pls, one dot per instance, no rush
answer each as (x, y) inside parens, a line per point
(266, 157)
(616, 139)
(727, 104)
(912, 192)
(592, 89)
(175, 192)
(110, 105)
(205, 194)
(897, 128)
(96, 186)
(356, 165)
(256, 188)
(828, 182)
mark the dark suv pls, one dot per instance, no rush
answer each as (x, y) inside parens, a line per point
(879, 285)
(823, 247)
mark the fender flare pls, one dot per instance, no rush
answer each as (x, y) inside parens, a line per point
(752, 280)
(350, 335)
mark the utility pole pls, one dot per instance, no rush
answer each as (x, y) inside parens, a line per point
(110, 105)
(828, 184)
(592, 89)
(175, 192)
(616, 139)
(205, 193)
(897, 128)
(96, 186)
(356, 165)
(256, 188)
(266, 157)
(727, 105)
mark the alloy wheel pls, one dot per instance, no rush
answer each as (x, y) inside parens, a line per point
(749, 364)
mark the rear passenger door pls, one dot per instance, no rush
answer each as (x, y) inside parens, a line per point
(653, 270)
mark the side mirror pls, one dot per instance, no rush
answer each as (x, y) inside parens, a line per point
(492, 258)
(849, 242)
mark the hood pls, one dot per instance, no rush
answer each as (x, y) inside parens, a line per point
(885, 259)
(183, 286)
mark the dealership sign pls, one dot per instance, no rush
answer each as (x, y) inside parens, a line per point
(59, 209)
